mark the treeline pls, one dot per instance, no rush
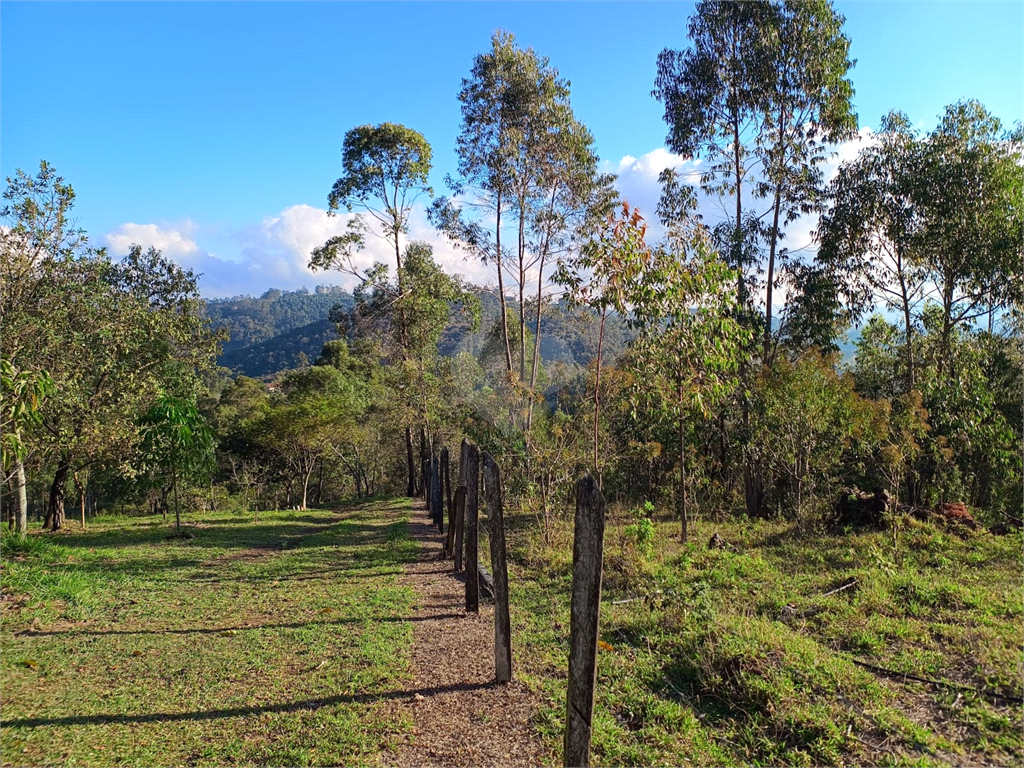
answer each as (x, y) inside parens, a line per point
(698, 369)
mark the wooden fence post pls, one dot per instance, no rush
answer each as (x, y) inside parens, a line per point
(435, 493)
(472, 521)
(460, 508)
(446, 479)
(460, 516)
(446, 484)
(587, 561)
(499, 571)
(421, 489)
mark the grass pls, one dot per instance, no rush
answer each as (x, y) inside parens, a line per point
(280, 642)
(284, 642)
(735, 657)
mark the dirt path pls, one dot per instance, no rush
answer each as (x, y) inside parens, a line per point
(462, 718)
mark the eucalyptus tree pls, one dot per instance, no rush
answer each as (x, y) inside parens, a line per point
(386, 171)
(969, 202)
(573, 200)
(916, 218)
(867, 236)
(714, 94)
(386, 168)
(807, 108)
(761, 93)
(522, 155)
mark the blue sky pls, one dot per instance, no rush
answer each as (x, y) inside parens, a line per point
(214, 130)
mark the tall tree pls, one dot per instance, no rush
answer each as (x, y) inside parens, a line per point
(867, 235)
(714, 94)
(969, 201)
(807, 108)
(386, 170)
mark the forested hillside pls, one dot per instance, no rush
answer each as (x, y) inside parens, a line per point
(568, 336)
(250, 320)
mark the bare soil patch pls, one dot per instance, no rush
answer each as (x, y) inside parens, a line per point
(460, 716)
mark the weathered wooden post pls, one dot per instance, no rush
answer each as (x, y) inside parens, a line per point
(421, 490)
(435, 493)
(446, 484)
(499, 571)
(446, 479)
(460, 516)
(460, 507)
(411, 487)
(472, 521)
(587, 561)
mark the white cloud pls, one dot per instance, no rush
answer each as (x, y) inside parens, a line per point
(174, 241)
(637, 183)
(275, 252)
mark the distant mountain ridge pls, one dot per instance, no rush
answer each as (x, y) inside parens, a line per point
(252, 320)
(287, 329)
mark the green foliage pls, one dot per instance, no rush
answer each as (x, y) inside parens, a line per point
(23, 393)
(386, 169)
(640, 532)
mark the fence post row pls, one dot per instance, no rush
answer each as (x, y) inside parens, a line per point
(587, 561)
(460, 506)
(471, 523)
(499, 571)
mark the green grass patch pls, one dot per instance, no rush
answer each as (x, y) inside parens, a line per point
(278, 642)
(737, 656)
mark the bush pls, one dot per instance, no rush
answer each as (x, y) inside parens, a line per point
(640, 533)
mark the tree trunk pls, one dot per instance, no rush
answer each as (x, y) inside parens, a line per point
(908, 326)
(55, 513)
(21, 521)
(501, 287)
(177, 507)
(81, 496)
(683, 511)
(597, 397)
(522, 296)
(771, 278)
(305, 487)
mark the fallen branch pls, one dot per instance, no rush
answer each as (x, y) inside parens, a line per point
(938, 683)
(839, 589)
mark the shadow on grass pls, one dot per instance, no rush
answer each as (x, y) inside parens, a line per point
(217, 714)
(239, 533)
(240, 628)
